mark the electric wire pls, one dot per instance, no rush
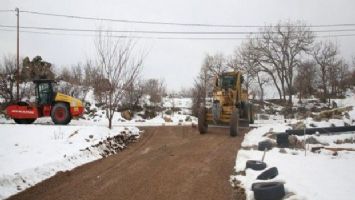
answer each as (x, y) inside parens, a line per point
(159, 38)
(164, 32)
(7, 11)
(171, 23)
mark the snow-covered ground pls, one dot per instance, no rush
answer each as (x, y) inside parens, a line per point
(32, 153)
(322, 175)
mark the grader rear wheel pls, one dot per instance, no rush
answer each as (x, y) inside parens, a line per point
(202, 121)
(251, 114)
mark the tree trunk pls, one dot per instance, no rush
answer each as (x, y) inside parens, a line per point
(110, 123)
(276, 85)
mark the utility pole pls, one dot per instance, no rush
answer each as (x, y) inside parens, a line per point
(18, 58)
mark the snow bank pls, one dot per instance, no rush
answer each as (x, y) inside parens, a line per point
(32, 153)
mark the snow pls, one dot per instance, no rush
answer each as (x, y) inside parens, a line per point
(32, 153)
(177, 102)
(321, 175)
(314, 176)
(258, 134)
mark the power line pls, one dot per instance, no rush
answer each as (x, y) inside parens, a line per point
(159, 38)
(6, 10)
(342, 35)
(170, 23)
(130, 36)
(164, 32)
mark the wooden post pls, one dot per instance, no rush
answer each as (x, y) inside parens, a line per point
(18, 56)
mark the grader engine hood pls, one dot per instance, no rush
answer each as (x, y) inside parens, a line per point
(76, 106)
(224, 97)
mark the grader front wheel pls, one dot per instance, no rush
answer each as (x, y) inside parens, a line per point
(234, 124)
(202, 121)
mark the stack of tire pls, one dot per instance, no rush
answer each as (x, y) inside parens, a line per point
(266, 190)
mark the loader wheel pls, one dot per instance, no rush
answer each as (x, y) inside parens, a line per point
(202, 122)
(234, 124)
(60, 114)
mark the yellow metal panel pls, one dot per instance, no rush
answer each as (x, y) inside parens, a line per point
(71, 100)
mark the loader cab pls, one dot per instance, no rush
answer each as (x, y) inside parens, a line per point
(44, 92)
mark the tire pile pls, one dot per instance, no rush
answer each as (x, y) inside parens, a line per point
(266, 190)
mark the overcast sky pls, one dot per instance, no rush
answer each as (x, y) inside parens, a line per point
(176, 61)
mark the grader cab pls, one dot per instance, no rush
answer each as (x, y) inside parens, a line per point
(230, 105)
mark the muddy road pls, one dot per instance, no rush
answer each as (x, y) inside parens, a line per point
(166, 163)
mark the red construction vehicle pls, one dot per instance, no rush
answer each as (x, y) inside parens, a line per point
(60, 107)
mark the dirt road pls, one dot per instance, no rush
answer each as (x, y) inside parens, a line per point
(167, 163)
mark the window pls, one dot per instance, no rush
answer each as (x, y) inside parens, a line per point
(44, 93)
(228, 82)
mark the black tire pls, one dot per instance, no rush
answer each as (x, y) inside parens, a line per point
(60, 114)
(202, 121)
(268, 174)
(255, 165)
(251, 114)
(18, 121)
(234, 124)
(24, 121)
(247, 112)
(266, 144)
(282, 140)
(268, 191)
(22, 103)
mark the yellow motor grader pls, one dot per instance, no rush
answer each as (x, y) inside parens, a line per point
(230, 105)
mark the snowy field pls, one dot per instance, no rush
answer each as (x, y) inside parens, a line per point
(320, 175)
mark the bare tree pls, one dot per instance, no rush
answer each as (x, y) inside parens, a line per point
(65, 75)
(185, 93)
(133, 95)
(262, 80)
(77, 74)
(280, 50)
(306, 79)
(246, 60)
(198, 96)
(7, 78)
(156, 89)
(119, 66)
(212, 67)
(343, 77)
(215, 64)
(325, 55)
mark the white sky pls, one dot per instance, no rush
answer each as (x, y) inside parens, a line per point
(177, 61)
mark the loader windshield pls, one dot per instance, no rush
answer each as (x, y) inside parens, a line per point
(228, 81)
(44, 93)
